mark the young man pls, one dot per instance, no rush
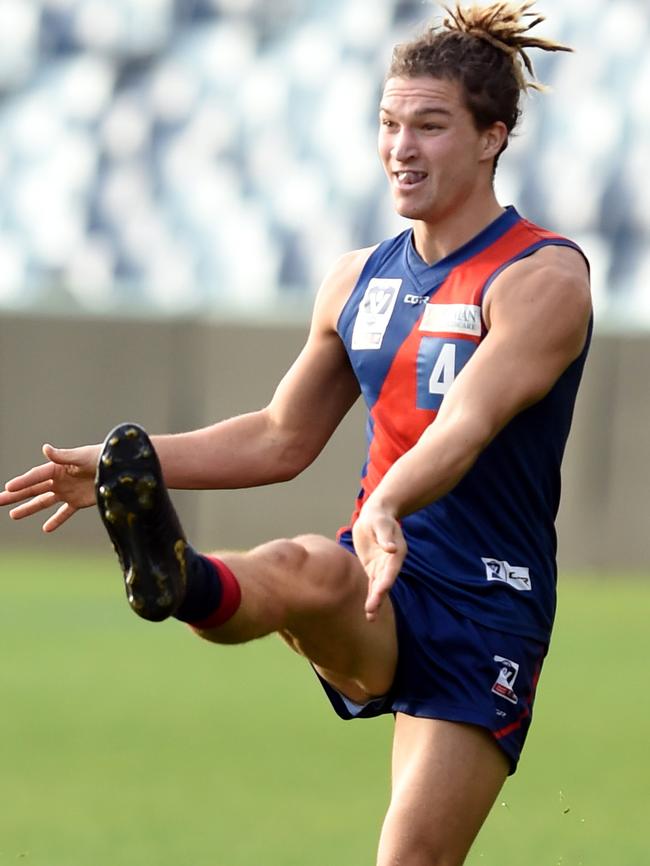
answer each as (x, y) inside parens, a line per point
(466, 336)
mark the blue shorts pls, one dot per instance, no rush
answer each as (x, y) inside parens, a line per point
(450, 667)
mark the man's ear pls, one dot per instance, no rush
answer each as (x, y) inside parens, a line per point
(493, 138)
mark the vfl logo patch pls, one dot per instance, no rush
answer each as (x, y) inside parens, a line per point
(515, 576)
(452, 319)
(503, 686)
(374, 314)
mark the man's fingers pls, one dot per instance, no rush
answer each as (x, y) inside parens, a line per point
(44, 472)
(38, 503)
(385, 535)
(60, 516)
(381, 548)
(375, 600)
(33, 476)
(379, 585)
(373, 604)
(62, 456)
(387, 544)
(8, 497)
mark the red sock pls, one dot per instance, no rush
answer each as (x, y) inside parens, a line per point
(230, 597)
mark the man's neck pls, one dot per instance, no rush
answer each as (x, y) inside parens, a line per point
(435, 241)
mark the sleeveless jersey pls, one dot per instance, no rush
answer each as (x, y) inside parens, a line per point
(488, 546)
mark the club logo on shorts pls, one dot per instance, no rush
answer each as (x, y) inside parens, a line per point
(516, 576)
(374, 313)
(503, 686)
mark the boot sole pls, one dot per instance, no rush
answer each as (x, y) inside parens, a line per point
(141, 522)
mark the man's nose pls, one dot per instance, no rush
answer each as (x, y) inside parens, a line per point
(405, 145)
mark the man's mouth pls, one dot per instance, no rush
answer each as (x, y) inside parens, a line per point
(410, 178)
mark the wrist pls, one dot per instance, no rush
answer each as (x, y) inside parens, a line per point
(380, 503)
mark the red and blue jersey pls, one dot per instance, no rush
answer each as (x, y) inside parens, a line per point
(489, 545)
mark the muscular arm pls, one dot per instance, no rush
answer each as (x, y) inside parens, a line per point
(278, 442)
(537, 312)
(275, 443)
(262, 447)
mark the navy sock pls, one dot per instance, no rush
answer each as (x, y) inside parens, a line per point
(204, 588)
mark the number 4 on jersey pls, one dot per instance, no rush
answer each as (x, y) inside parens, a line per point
(439, 362)
(444, 370)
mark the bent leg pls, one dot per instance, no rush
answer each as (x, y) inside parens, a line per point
(312, 591)
(446, 777)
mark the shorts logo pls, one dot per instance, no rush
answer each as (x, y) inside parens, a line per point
(516, 576)
(452, 319)
(374, 313)
(503, 686)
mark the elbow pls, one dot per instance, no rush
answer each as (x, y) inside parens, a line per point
(294, 461)
(291, 459)
(289, 449)
(285, 472)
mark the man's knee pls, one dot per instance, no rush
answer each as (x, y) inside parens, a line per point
(316, 568)
(334, 573)
(283, 555)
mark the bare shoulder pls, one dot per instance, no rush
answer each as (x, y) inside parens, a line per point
(337, 285)
(349, 265)
(552, 285)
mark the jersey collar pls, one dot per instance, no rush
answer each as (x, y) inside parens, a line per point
(438, 272)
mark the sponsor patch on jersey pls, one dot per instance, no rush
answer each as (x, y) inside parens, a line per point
(452, 319)
(516, 576)
(504, 685)
(416, 300)
(374, 313)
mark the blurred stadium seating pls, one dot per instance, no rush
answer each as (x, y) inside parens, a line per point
(181, 155)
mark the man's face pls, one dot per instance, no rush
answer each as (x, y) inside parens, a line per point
(430, 148)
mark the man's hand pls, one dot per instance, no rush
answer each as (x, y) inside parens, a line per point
(66, 480)
(381, 548)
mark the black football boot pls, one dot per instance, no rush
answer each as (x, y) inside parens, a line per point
(141, 522)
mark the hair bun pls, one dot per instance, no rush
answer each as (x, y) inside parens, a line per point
(505, 26)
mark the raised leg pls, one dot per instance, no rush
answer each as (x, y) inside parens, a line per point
(308, 589)
(312, 591)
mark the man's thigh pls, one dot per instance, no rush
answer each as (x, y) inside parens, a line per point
(313, 591)
(446, 777)
(354, 655)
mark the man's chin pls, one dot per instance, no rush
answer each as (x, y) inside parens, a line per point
(409, 212)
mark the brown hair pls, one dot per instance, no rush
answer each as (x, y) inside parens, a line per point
(484, 49)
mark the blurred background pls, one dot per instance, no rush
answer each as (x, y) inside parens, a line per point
(148, 145)
(177, 175)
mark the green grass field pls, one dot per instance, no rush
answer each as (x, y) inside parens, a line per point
(124, 742)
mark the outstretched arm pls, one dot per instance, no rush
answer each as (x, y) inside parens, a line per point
(538, 314)
(273, 444)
